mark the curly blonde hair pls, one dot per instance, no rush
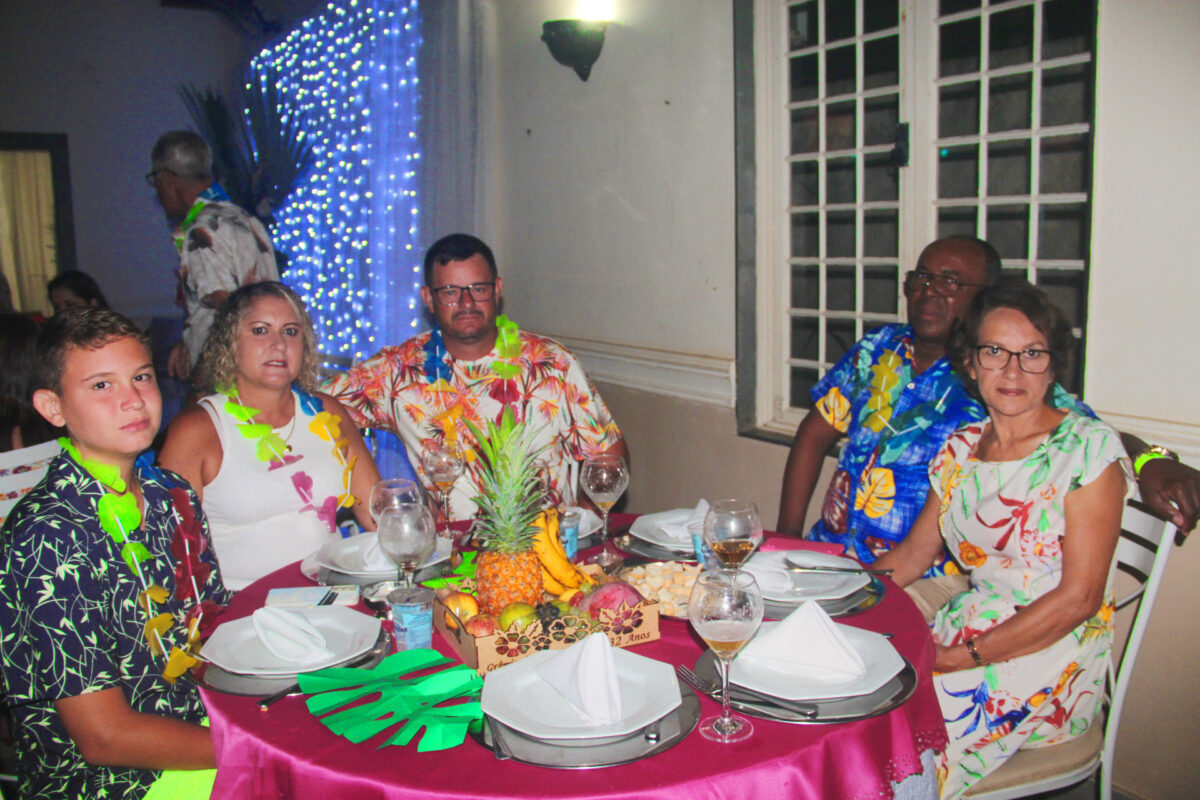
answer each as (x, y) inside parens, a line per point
(217, 368)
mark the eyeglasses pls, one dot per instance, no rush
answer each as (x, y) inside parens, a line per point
(945, 285)
(152, 175)
(450, 294)
(994, 357)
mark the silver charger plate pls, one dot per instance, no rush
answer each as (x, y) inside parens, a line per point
(569, 754)
(213, 677)
(854, 603)
(331, 577)
(845, 709)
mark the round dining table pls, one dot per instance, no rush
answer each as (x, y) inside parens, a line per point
(285, 752)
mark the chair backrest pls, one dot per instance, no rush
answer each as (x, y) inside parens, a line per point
(1143, 550)
(20, 471)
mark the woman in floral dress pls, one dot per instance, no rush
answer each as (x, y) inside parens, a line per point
(1029, 502)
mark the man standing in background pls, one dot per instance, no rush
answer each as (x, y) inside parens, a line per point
(221, 246)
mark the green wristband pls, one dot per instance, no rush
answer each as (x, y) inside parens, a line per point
(1148, 455)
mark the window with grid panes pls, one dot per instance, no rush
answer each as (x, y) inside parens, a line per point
(881, 125)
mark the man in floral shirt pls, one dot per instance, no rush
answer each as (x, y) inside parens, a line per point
(470, 367)
(896, 399)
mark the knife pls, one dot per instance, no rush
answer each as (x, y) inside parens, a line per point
(850, 570)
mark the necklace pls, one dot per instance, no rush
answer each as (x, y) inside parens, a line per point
(119, 514)
(274, 449)
(508, 350)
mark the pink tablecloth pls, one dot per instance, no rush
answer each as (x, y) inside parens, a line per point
(285, 753)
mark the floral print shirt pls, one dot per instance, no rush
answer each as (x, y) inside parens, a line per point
(70, 622)
(390, 391)
(895, 422)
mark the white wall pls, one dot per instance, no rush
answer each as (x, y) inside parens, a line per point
(614, 227)
(106, 74)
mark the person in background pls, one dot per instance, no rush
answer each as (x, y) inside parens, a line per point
(271, 495)
(1028, 500)
(221, 246)
(467, 370)
(87, 560)
(896, 398)
(21, 425)
(73, 288)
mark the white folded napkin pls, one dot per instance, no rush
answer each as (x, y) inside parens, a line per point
(807, 641)
(770, 572)
(678, 531)
(586, 676)
(589, 521)
(289, 636)
(373, 557)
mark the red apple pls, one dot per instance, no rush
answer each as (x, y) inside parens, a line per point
(481, 625)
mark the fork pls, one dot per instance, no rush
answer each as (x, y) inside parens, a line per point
(714, 691)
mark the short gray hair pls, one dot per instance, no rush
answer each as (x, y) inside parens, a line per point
(183, 153)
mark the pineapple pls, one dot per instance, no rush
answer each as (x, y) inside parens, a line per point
(507, 570)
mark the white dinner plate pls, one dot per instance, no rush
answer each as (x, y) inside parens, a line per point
(806, 585)
(348, 556)
(520, 698)
(235, 647)
(647, 528)
(882, 660)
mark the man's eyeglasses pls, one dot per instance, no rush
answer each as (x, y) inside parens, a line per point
(994, 357)
(945, 285)
(152, 175)
(450, 294)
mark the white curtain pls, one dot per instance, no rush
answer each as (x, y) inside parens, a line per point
(28, 254)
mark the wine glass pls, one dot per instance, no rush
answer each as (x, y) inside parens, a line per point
(732, 529)
(393, 493)
(604, 477)
(407, 536)
(726, 608)
(443, 463)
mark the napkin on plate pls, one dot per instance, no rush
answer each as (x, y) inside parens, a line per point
(678, 531)
(807, 641)
(373, 557)
(289, 636)
(768, 569)
(586, 676)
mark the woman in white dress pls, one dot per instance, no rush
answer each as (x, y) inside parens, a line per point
(1029, 503)
(271, 458)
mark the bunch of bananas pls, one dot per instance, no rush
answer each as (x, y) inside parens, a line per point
(558, 573)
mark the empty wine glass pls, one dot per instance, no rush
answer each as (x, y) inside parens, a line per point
(443, 463)
(393, 493)
(732, 529)
(726, 608)
(407, 535)
(604, 477)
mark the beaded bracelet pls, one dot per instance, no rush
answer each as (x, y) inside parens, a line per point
(974, 652)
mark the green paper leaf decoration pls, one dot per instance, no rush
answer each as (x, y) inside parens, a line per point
(413, 701)
(506, 371)
(456, 576)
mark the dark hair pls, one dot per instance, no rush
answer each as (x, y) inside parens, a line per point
(456, 247)
(217, 368)
(81, 285)
(991, 257)
(82, 328)
(183, 153)
(1020, 295)
(18, 369)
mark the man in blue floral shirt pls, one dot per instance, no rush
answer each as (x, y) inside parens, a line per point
(104, 570)
(896, 399)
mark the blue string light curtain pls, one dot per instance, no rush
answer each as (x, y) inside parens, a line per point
(350, 230)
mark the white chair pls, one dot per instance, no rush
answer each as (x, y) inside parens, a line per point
(20, 471)
(1143, 550)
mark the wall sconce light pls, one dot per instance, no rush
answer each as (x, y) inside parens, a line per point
(575, 43)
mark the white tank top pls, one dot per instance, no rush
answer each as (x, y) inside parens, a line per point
(257, 518)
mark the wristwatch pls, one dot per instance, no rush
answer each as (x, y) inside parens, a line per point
(1149, 453)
